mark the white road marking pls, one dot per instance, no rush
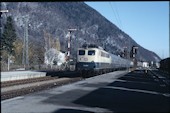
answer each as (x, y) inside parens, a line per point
(12, 99)
(138, 90)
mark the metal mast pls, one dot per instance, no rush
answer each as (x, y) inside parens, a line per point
(25, 59)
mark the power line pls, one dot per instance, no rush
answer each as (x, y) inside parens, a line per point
(116, 8)
(114, 12)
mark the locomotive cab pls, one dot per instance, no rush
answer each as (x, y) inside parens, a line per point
(86, 58)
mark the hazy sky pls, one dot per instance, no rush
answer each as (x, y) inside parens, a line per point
(146, 22)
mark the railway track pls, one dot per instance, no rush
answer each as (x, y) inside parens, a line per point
(162, 77)
(11, 89)
(26, 81)
(39, 84)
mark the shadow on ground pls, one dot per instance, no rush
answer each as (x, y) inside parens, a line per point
(134, 92)
(70, 111)
(70, 74)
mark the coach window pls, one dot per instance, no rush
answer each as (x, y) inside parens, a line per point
(81, 52)
(102, 54)
(107, 55)
(91, 52)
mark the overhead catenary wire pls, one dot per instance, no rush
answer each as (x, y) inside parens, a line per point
(116, 14)
(120, 25)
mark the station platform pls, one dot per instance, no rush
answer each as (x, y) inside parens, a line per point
(18, 75)
(119, 91)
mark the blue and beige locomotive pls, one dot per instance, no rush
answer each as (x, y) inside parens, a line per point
(94, 59)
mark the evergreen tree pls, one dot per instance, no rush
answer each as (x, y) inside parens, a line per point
(9, 36)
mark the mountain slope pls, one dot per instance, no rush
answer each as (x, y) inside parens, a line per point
(57, 17)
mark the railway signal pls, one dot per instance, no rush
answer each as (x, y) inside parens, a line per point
(69, 44)
(133, 55)
(134, 51)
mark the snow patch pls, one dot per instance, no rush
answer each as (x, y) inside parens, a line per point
(39, 25)
(121, 36)
(54, 55)
(92, 29)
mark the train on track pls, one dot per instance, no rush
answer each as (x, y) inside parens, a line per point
(94, 59)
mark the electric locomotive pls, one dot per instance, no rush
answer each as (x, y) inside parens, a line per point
(94, 59)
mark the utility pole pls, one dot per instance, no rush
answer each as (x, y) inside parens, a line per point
(3, 11)
(25, 59)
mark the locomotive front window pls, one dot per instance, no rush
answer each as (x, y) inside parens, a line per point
(81, 52)
(91, 52)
